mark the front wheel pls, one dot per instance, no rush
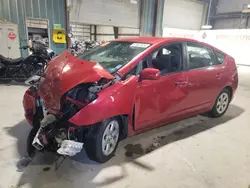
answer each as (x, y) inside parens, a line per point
(221, 104)
(30, 149)
(102, 141)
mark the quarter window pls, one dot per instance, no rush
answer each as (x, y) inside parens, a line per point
(199, 56)
(220, 57)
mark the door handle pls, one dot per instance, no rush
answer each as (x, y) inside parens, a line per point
(218, 75)
(180, 83)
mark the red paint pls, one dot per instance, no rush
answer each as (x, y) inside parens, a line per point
(115, 100)
(29, 106)
(63, 74)
(160, 99)
(156, 100)
(12, 36)
(150, 74)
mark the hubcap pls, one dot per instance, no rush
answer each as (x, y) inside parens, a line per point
(110, 137)
(222, 103)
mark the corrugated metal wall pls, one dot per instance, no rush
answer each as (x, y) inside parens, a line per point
(17, 11)
(151, 17)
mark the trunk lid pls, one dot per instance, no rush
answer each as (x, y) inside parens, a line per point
(64, 73)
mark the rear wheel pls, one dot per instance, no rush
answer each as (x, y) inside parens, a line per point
(221, 105)
(102, 141)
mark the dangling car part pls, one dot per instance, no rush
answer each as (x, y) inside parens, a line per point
(21, 69)
(122, 88)
(53, 132)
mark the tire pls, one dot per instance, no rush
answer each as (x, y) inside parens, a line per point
(30, 149)
(221, 104)
(102, 140)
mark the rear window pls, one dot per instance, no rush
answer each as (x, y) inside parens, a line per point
(220, 57)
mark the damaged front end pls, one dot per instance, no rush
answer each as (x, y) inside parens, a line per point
(56, 133)
(63, 92)
(80, 96)
(54, 136)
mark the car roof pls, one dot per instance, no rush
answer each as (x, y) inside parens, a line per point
(162, 40)
(155, 40)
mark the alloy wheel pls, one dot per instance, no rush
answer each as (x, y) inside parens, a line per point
(222, 103)
(110, 137)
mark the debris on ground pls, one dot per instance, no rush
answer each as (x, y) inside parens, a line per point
(46, 169)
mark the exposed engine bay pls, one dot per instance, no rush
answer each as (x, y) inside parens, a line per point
(54, 132)
(80, 96)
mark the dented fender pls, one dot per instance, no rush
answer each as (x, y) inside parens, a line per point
(117, 99)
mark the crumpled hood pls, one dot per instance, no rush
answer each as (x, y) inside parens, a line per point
(64, 73)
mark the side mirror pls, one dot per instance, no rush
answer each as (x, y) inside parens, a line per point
(150, 74)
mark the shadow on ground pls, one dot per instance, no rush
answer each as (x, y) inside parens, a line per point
(9, 82)
(79, 170)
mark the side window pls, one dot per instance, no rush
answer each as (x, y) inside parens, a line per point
(220, 57)
(168, 59)
(199, 56)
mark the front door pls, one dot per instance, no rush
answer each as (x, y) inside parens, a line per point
(157, 100)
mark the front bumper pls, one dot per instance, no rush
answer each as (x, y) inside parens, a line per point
(31, 104)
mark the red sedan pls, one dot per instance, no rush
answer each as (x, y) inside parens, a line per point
(122, 88)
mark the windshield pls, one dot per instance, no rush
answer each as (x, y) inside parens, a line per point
(113, 55)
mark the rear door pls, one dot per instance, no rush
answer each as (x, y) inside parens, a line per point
(205, 76)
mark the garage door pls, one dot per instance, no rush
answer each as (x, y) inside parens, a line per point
(120, 13)
(183, 14)
(81, 31)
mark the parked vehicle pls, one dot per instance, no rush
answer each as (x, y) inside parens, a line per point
(78, 47)
(125, 87)
(20, 69)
